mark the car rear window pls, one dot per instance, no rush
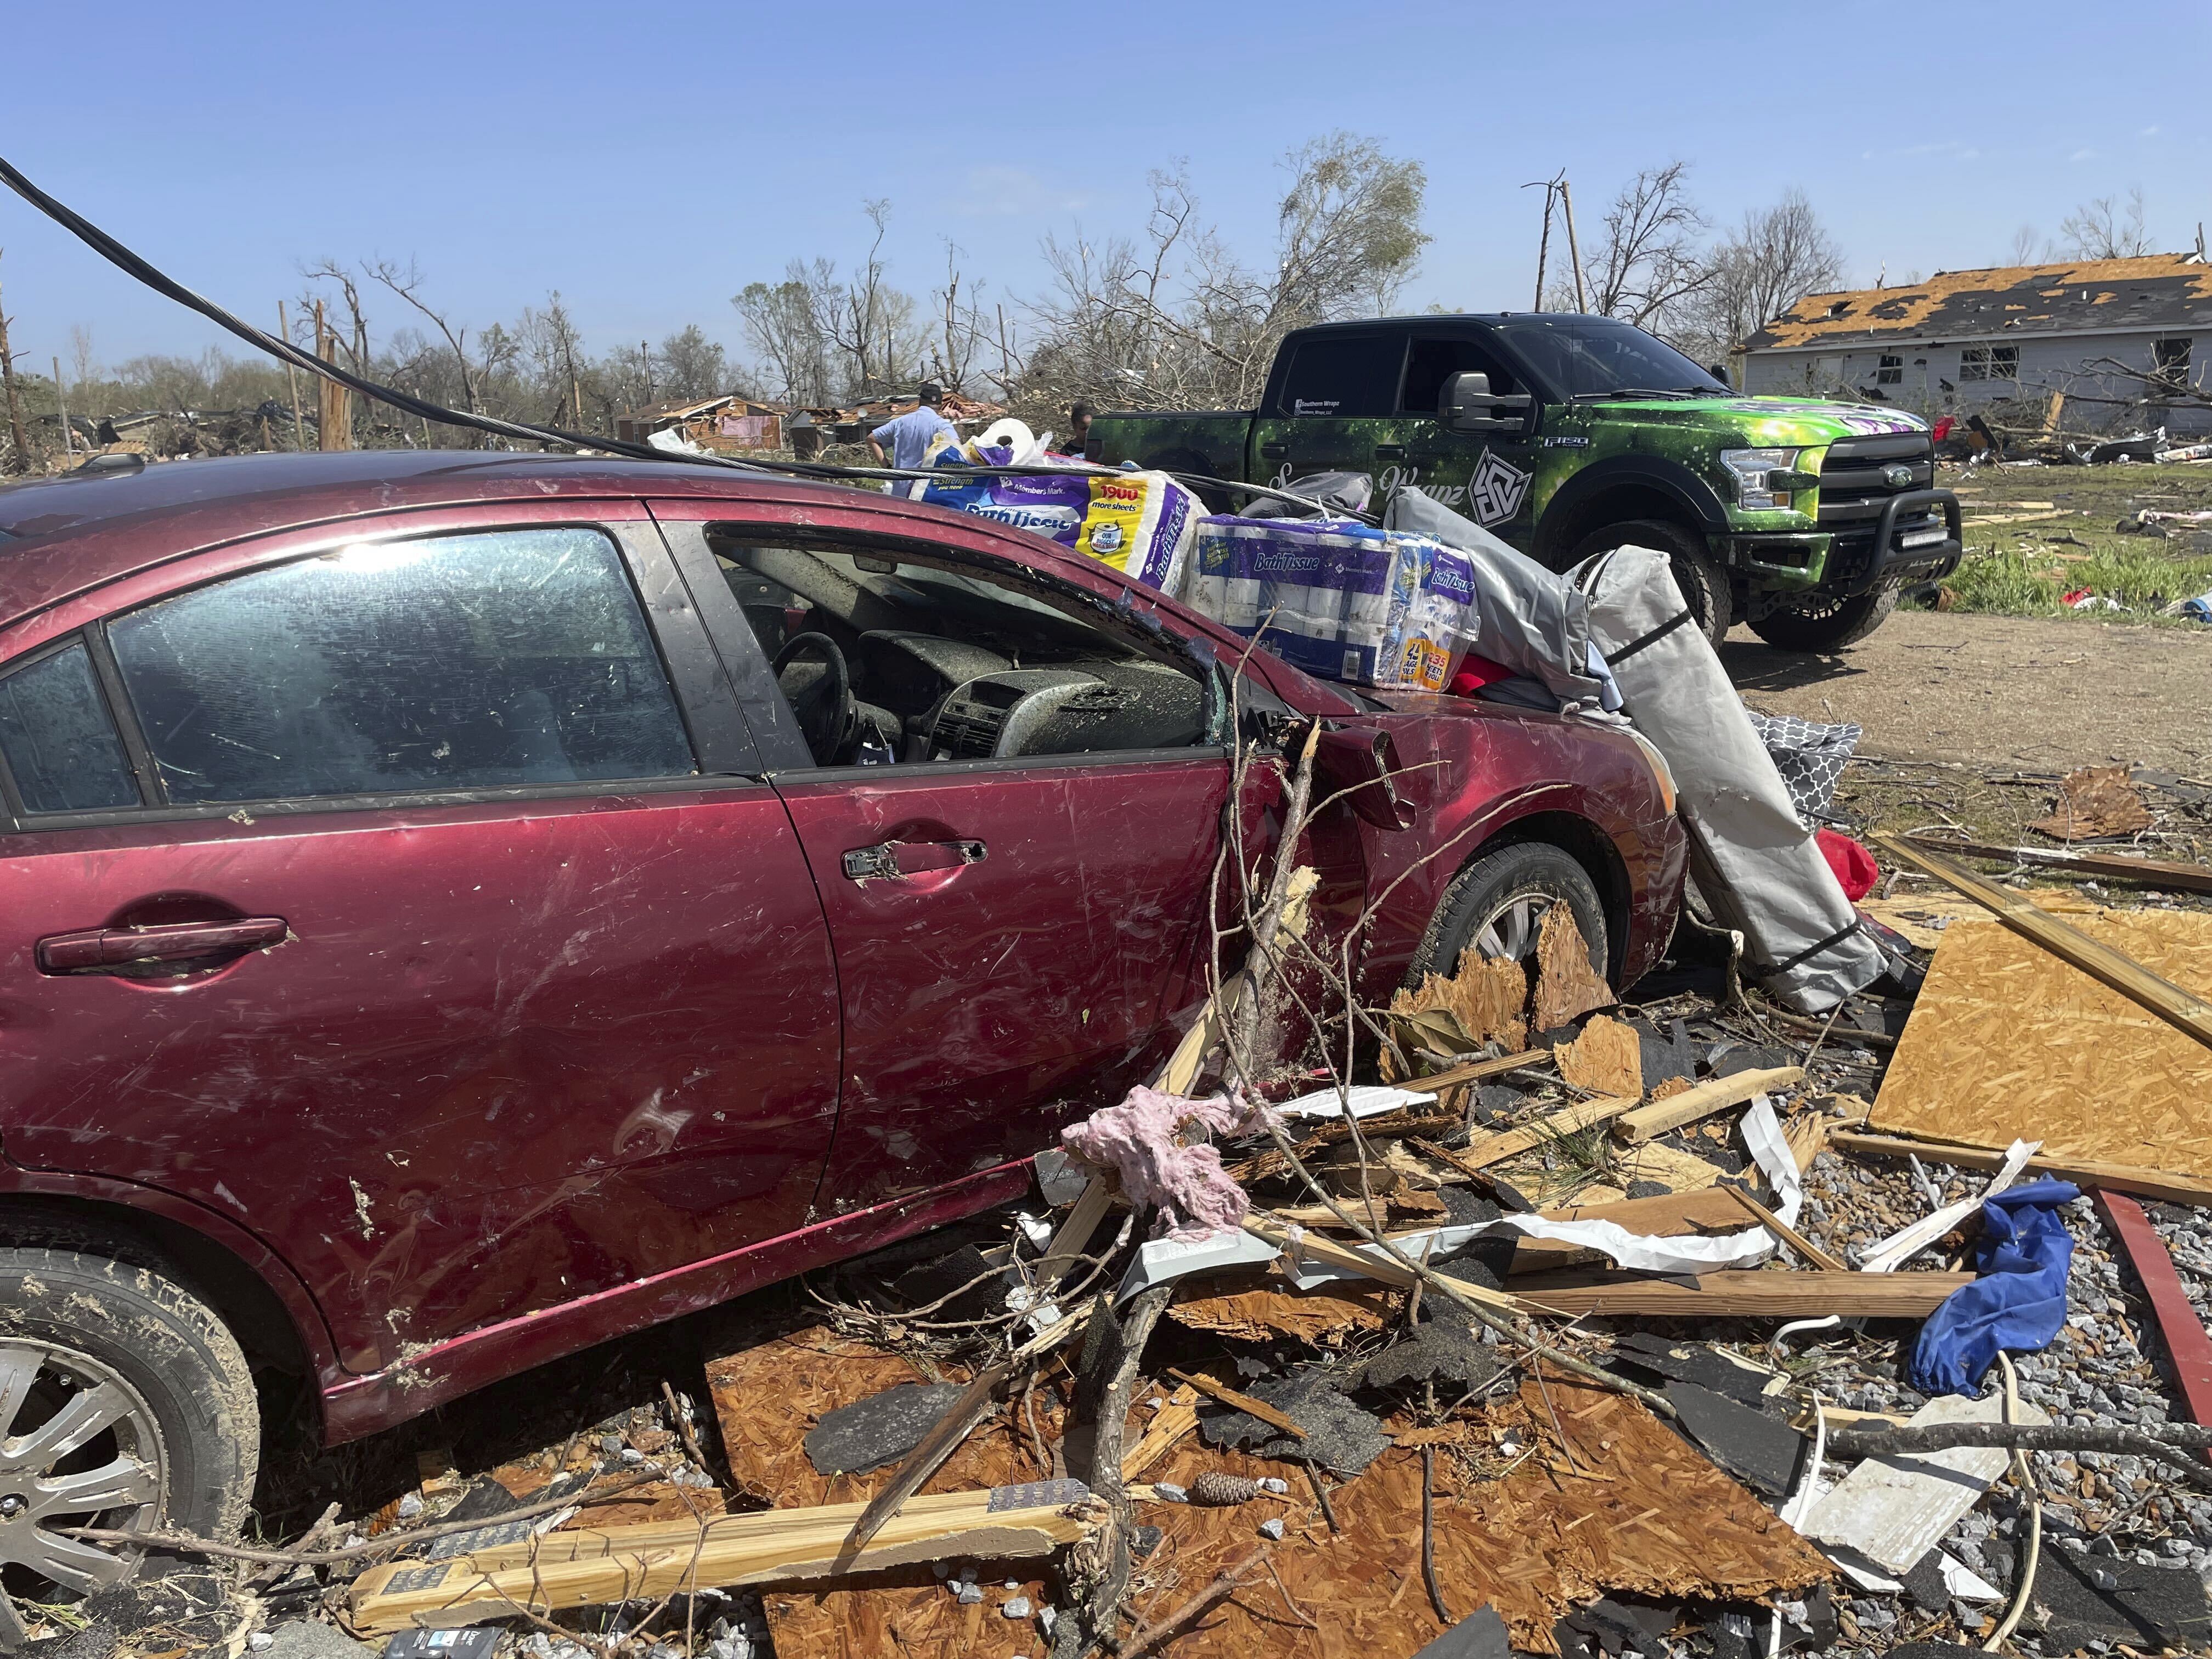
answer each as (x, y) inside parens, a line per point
(60, 742)
(1347, 377)
(461, 662)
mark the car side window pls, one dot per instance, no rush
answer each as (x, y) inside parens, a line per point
(1431, 363)
(901, 661)
(456, 662)
(62, 749)
(1343, 377)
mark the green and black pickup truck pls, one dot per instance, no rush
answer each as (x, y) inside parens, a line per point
(1569, 436)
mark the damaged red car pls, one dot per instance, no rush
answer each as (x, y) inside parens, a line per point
(461, 908)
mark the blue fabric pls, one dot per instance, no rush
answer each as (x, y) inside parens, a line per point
(908, 437)
(2018, 1302)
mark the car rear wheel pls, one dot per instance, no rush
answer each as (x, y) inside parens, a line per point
(1701, 578)
(1823, 621)
(1496, 907)
(125, 1405)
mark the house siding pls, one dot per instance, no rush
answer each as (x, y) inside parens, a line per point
(2048, 363)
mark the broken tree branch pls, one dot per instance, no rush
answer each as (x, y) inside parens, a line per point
(2172, 1444)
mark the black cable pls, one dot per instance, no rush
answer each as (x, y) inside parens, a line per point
(822, 472)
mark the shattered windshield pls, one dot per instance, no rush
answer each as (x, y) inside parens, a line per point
(1588, 357)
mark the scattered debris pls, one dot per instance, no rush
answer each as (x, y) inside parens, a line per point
(2094, 803)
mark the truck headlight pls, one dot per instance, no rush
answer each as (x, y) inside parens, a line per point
(1754, 490)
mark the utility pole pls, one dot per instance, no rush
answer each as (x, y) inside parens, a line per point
(1574, 249)
(14, 402)
(68, 439)
(291, 373)
(644, 361)
(1544, 241)
(336, 405)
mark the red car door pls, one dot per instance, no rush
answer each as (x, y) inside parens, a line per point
(1013, 933)
(425, 915)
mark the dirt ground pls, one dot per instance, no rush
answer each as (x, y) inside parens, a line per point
(2011, 691)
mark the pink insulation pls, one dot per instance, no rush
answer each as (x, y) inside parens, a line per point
(1143, 1142)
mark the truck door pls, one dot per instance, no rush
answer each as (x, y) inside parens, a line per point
(1333, 407)
(1491, 477)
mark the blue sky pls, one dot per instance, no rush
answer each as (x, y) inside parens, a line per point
(649, 161)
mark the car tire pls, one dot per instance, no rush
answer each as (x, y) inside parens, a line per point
(1523, 879)
(1701, 578)
(1821, 624)
(176, 1436)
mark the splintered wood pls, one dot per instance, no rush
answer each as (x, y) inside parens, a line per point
(1633, 1509)
(1606, 1059)
(1482, 1001)
(1566, 984)
(1326, 1316)
(2096, 800)
(2007, 1043)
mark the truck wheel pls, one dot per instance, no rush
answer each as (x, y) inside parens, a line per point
(1701, 578)
(1496, 907)
(1824, 621)
(126, 1404)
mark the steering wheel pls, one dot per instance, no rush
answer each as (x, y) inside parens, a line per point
(822, 704)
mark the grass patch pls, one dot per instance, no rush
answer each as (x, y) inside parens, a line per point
(2027, 580)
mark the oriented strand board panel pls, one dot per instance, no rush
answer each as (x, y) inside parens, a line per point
(2007, 1043)
(1650, 1516)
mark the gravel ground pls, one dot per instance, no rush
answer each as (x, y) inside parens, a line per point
(2105, 1370)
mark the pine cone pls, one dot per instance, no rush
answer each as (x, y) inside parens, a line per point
(1215, 1487)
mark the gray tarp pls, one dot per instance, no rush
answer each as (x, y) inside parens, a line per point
(1753, 857)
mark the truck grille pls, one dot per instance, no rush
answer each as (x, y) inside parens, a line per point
(1854, 490)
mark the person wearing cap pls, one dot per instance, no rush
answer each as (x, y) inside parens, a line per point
(910, 434)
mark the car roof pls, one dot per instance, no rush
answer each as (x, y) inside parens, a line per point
(61, 536)
(1444, 320)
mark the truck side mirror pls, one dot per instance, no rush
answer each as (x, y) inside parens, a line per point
(1470, 405)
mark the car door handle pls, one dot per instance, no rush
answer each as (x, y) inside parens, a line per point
(108, 950)
(890, 861)
(1390, 452)
(1275, 451)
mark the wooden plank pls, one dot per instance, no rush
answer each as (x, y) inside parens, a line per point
(1706, 1098)
(1813, 1254)
(2178, 1323)
(1744, 1295)
(2096, 1176)
(778, 1547)
(1444, 1084)
(1262, 1224)
(1487, 1150)
(1892, 1510)
(2183, 1010)
(2155, 873)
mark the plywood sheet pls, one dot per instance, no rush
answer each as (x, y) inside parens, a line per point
(1327, 1315)
(2007, 1043)
(1653, 1517)
(766, 1399)
(1566, 984)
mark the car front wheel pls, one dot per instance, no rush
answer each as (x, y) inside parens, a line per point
(1701, 578)
(125, 1405)
(1496, 907)
(1823, 621)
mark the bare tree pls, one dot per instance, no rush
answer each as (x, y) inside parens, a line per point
(1647, 262)
(1178, 320)
(871, 323)
(2108, 228)
(783, 325)
(406, 284)
(1774, 258)
(2028, 247)
(691, 366)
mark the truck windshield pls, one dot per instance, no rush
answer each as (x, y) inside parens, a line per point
(1591, 357)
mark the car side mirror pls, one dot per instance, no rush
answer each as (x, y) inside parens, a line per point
(1470, 405)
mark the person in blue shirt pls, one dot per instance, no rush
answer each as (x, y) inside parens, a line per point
(910, 434)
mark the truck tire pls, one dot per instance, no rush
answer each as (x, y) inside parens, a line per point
(1497, 904)
(1824, 623)
(129, 1405)
(1701, 578)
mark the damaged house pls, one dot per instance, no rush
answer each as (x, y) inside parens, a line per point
(2123, 340)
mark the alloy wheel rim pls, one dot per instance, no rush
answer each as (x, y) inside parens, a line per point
(79, 1447)
(1510, 931)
